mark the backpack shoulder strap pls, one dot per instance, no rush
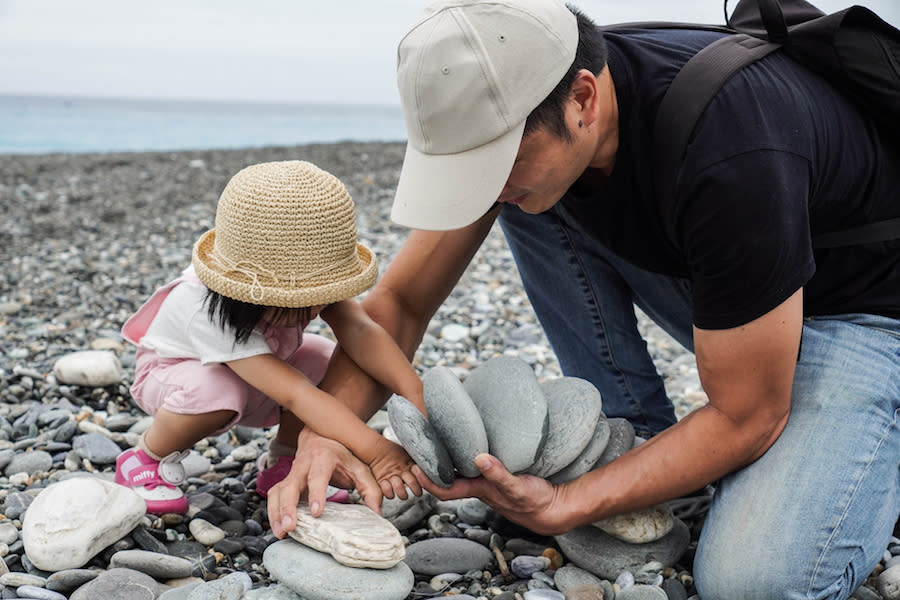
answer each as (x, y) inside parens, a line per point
(695, 85)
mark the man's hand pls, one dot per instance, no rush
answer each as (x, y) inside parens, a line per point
(392, 468)
(524, 499)
(318, 462)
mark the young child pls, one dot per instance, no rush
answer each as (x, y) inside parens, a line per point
(223, 343)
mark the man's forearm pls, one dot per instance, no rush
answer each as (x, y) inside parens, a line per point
(698, 450)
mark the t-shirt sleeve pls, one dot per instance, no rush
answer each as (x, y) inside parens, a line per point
(744, 228)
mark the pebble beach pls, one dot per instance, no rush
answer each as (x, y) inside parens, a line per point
(85, 239)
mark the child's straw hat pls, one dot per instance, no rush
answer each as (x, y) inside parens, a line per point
(285, 236)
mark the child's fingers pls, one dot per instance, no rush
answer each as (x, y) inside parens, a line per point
(411, 482)
(387, 489)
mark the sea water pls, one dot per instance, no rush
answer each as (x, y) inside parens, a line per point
(31, 124)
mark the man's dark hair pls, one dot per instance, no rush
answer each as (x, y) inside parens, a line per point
(242, 317)
(591, 55)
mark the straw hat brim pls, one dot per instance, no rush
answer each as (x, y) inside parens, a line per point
(237, 286)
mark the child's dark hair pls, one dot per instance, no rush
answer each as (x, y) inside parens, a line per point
(243, 317)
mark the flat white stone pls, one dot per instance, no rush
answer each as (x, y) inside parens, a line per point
(640, 526)
(96, 368)
(71, 521)
(352, 534)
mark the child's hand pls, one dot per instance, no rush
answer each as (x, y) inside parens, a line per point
(392, 469)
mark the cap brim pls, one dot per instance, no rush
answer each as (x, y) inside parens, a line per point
(448, 191)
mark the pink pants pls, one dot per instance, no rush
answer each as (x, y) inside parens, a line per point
(187, 387)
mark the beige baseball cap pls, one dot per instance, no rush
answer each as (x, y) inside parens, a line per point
(469, 74)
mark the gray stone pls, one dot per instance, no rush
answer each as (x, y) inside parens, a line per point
(72, 520)
(352, 534)
(473, 511)
(570, 577)
(97, 448)
(443, 555)
(158, 566)
(316, 576)
(513, 409)
(589, 457)
(605, 556)
(543, 594)
(15, 579)
(69, 579)
(573, 409)
(888, 583)
(621, 440)
(8, 533)
(29, 462)
(95, 368)
(231, 587)
(641, 592)
(38, 593)
(271, 592)
(405, 514)
(455, 419)
(119, 584)
(16, 504)
(525, 566)
(420, 440)
(181, 592)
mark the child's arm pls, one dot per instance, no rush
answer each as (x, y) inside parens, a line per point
(330, 418)
(374, 350)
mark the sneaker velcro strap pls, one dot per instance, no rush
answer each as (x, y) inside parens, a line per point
(147, 476)
(170, 468)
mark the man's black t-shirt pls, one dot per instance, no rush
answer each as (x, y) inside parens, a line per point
(778, 154)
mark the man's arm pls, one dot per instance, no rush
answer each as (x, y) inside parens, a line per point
(748, 374)
(415, 284)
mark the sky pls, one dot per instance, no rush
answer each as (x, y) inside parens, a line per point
(315, 51)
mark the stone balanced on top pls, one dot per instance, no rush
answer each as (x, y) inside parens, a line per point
(554, 429)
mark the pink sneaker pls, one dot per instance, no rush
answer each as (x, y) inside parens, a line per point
(267, 477)
(155, 482)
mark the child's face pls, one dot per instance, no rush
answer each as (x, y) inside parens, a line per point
(291, 317)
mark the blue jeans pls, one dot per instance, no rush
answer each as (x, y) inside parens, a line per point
(809, 519)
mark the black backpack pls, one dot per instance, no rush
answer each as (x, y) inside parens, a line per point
(854, 49)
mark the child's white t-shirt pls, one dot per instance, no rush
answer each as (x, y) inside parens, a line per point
(182, 329)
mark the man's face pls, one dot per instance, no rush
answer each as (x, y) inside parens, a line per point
(545, 167)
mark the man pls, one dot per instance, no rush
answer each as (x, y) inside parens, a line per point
(523, 110)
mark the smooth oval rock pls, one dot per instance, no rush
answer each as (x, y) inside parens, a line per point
(621, 440)
(351, 533)
(640, 526)
(205, 532)
(570, 578)
(606, 557)
(641, 592)
(315, 575)
(589, 457)
(29, 462)
(888, 583)
(119, 584)
(96, 368)
(419, 438)
(573, 408)
(154, 564)
(72, 520)
(97, 448)
(513, 409)
(442, 555)
(455, 419)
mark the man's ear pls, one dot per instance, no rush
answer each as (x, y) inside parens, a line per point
(586, 94)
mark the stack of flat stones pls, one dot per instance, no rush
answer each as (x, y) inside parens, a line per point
(555, 429)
